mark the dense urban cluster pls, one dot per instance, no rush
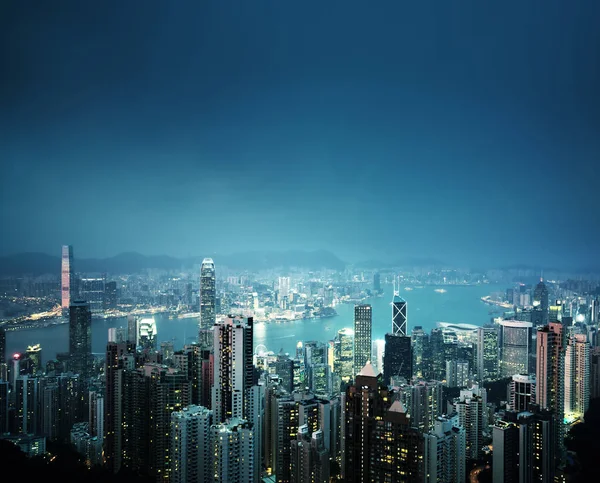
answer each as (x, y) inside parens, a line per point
(416, 407)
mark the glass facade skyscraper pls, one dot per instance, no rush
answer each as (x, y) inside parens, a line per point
(363, 319)
(66, 278)
(80, 338)
(207, 294)
(515, 347)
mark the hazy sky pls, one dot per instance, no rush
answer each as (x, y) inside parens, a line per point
(467, 131)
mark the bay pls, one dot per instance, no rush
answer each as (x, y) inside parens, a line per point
(425, 307)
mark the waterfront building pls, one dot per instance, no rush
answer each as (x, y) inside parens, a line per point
(207, 294)
(80, 338)
(233, 370)
(146, 335)
(34, 354)
(487, 353)
(397, 358)
(66, 278)
(515, 347)
(363, 321)
(191, 455)
(110, 296)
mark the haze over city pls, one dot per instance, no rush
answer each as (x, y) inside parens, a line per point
(460, 131)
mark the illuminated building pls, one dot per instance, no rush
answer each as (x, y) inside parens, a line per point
(233, 445)
(549, 346)
(207, 294)
(233, 368)
(27, 404)
(505, 440)
(487, 353)
(80, 339)
(2, 347)
(362, 335)
(379, 443)
(191, 448)
(92, 291)
(420, 350)
(34, 354)
(423, 402)
(577, 377)
(540, 299)
(457, 373)
(399, 315)
(344, 354)
(471, 410)
(378, 351)
(521, 392)
(110, 296)
(445, 453)
(146, 335)
(536, 447)
(436, 354)
(595, 373)
(66, 278)
(397, 358)
(309, 457)
(515, 347)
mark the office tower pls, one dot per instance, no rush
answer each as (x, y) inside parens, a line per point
(310, 458)
(284, 287)
(132, 329)
(66, 278)
(537, 447)
(521, 392)
(445, 453)
(397, 358)
(399, 315)
(284, 368)
(540, 299)
(437, 357)
(110, 296)
(2, 346)
(233, 446)
(549, 348)
(146, 335)
(207, 294)
(420, 351)
(34, 354)
(515, 347)
(379, 442)
(423, 402)
(362, 335)
(344, 354)
(27, 404)
(555, 311)
(92, 290)
(80, 338)
(487, 353)
(191, 455)
(377, 282)
(505, 440)
(378, 350)
(285, 426)
(577, 377)
(320, 379)
(470, 408)
(233, 368)
(457, 373)
(96, 415)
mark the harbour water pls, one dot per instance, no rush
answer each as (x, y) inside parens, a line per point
(426, 307)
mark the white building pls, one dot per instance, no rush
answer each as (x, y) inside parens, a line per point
(233, 452)
(445, 453)
(577, 376)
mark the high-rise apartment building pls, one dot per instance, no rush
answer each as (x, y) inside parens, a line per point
(457, 373)
(233, 369)
(363, 320)
(577, 377)
(191, 449)
(505, 440)
(423, 402)
(310, 458)
(80, 338)
(233, 446)
(487, 353)
(471, 407)
(208, 294)
(549, 367)
(343, 350)
(515, 347)
(66, 278)
(397, 358)
(445, 453)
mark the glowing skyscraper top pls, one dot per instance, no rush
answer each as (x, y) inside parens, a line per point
(399, 318)
(66, 277)
(207, 294)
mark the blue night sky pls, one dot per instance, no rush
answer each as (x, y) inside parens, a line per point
(467, 131)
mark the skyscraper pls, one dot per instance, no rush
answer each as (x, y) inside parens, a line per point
(233, 368)
(577, 377)
(515, 347)
(310, 458)
(397, 358)
(2, 346)
(146, 335)
(399, 315)
(362, 335)
(540, 300)
(549, 345)
(521, 392)
(66, 278)
(343, 350)
(233, 447)
(34, 354)
(80, 338)
(377, 282)
(505, 439)
(487, 353)
(92, 290)
(445, 453)
(191, 450)
(208, 294)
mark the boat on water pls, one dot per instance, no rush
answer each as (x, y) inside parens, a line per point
(440, 290)
(408, 288)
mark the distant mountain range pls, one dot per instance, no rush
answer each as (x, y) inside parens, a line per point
(131, 262)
